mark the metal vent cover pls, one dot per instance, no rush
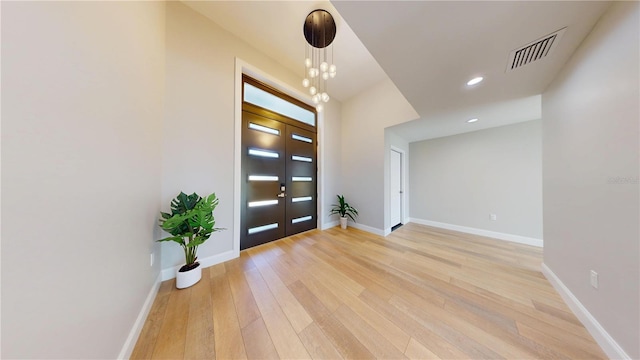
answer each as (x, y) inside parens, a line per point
(534, 51)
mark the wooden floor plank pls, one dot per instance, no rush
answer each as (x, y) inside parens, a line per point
(342, 340)
(376, 321)
(439, 326)
(419, 293)
(147, 339)
(328, 299)
(522, 313)
(200, 341)
(288, 270)
(284, 337)
(376, 343)
(577, 348)
(260, 345)
(506, 332)
(228, 337)
(172, 336)
(296, 314)
(245, 304)
(415, 350)
(318, 344)
(433, 341)
(560, 313)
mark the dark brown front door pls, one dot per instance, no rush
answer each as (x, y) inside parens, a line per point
(279, 179)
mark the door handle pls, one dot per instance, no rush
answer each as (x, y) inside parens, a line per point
(281, 195)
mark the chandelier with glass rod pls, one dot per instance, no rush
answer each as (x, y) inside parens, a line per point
(319, 31)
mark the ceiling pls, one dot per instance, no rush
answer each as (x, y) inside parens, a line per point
(447, 43)
(429, 49)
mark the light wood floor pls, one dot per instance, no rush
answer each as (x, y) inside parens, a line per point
(419, 293)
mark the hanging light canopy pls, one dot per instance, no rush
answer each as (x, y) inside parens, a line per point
(319, 31)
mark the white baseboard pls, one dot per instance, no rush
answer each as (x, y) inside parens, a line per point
(130, 343)
(493, 234)
(170, 273)
(368, 229)
(600, 335)
(329, 225)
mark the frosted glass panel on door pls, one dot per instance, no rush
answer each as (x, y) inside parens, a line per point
(263, 203)
(263, 153)
(301, 178)
(265, 129)
(301, 158)
(262, 228)
(301, 219)
(271, 102)
(301, 138)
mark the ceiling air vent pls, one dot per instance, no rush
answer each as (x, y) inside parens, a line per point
(534, 51)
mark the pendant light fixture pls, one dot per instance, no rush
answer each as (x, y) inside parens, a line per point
(319, 31)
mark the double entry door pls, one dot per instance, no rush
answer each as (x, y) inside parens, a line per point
(279, 188)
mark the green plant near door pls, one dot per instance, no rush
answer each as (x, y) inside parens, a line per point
(343, 209)
(190, 224)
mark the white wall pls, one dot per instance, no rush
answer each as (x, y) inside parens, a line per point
(364, 118)
(590, 175)
(330, 158)
(462, 179)
(198, 146)
(82, 96)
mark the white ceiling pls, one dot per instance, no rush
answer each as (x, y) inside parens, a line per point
(446, 43)
(429, 49)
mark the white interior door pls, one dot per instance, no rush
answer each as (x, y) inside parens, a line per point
(396, 187)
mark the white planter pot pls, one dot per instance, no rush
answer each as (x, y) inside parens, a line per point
(188, 278)
(343, 222)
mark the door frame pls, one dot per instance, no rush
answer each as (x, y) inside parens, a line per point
(243, 67)
(403, 186)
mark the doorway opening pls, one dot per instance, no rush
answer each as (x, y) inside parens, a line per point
(396, 188)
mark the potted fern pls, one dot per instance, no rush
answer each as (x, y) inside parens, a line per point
(190, 224)
(345, 211)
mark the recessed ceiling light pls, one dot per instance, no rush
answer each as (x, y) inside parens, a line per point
(475, 80)
(472, 120)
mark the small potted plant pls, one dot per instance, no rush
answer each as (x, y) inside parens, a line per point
(190, 224)
(345, 211)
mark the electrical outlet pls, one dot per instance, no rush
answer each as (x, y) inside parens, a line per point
(594, 279)
(151, 259)
(494, 217)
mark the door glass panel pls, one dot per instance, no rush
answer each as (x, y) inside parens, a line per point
(301, 158)
(301, 138)
(301, 178)
(263, 153)
(301, 219)
(271, 102)
(258, 229)
(263, 203)
(268, 130)
(263, 178)
(300, 199)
